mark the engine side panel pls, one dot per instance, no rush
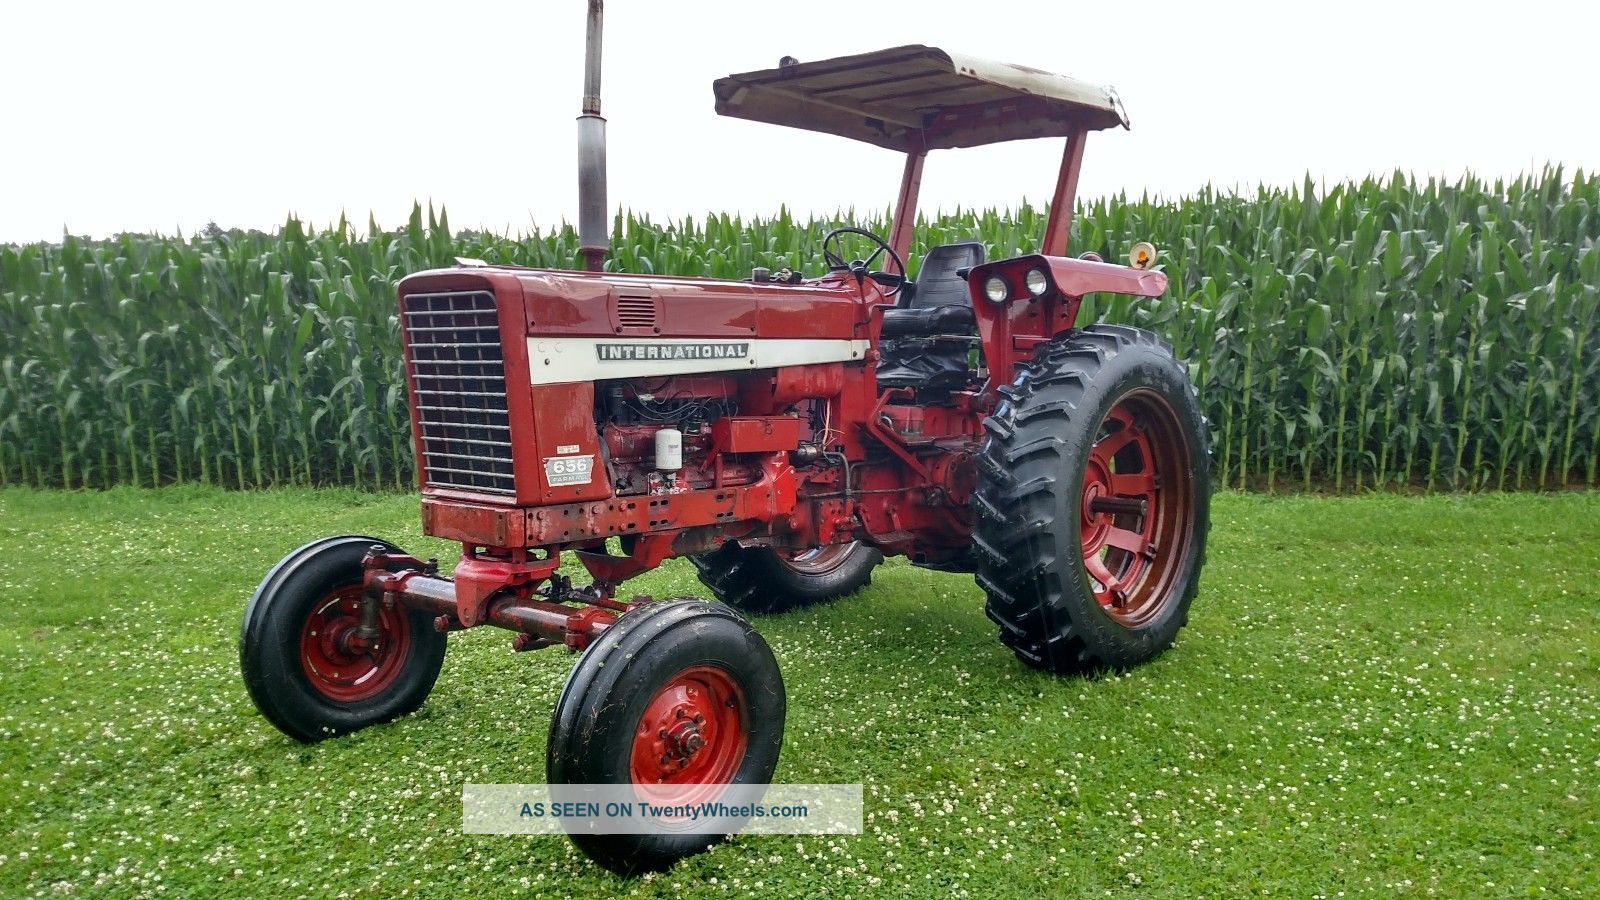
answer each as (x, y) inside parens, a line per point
(771, 389)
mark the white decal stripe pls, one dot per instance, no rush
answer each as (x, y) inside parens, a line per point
(553, 360)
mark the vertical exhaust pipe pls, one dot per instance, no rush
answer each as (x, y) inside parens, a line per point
(594, 231)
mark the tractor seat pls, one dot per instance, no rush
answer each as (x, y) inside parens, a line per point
(938, 301)
(925, 343)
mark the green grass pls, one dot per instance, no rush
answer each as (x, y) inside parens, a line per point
(1375, 696)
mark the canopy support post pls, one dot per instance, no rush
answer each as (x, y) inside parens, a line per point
(1059, 227)
(905, 205)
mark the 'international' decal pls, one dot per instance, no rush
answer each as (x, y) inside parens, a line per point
(627, 352)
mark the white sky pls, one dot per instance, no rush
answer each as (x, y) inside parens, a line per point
(161, 115)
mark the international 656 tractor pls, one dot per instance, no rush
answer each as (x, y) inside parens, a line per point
(784, 433)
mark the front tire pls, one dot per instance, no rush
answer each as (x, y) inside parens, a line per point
(1093, 502)
(676, 694)
(298, 666)
(761, 580)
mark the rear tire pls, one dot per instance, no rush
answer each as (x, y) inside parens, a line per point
(619, 717)
(296, 668)
(760, 580)
(1093, 502)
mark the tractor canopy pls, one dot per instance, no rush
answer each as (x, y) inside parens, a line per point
(917, 98)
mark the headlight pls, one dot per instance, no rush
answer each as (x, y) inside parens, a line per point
(1037, 282)
(995, 289)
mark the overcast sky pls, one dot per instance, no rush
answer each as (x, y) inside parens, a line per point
(162, 115)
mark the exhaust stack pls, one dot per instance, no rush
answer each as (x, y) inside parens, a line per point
(593, 229)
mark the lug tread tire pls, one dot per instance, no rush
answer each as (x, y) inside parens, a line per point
(1026, 540)
(757, 580)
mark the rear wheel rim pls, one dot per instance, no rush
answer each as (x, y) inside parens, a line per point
(820, 560)
(1136, 509)
(692, 736)
(336, 664)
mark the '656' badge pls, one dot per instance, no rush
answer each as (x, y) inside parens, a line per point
(560, 470)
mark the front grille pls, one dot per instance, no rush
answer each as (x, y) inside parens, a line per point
(459, 391)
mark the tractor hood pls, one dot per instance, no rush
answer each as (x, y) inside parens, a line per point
(581, 326)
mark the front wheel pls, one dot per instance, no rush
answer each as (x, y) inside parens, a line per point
(1093, 502)
(678, 698)
(300, 663)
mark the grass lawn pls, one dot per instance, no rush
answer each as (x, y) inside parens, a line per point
(1374, 696)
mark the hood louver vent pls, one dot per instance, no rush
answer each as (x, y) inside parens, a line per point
(636, 313)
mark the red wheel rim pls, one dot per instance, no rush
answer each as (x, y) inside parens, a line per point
(819, 560)
(692, 733)
(336, 663)
(1135, 520)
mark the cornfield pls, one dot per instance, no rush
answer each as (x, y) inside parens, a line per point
(1388, 333)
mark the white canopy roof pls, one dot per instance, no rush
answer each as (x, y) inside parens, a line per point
(918, 97)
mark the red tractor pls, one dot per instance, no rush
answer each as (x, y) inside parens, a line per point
(784, 433)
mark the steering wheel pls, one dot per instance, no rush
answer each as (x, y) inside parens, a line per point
(862, 268)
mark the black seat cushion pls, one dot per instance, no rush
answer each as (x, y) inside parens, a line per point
(929, 320)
